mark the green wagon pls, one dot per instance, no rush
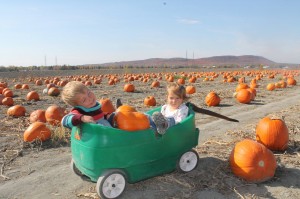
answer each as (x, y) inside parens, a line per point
(113, 157)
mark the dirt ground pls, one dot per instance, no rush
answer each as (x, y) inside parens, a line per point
(42, 170)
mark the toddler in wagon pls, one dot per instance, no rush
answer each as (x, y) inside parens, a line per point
(85, 106)
(174, 111)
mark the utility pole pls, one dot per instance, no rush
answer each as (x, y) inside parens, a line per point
(55, 60)
(45, 60)
(187, 61)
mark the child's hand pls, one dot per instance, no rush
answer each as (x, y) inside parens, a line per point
(86, 118)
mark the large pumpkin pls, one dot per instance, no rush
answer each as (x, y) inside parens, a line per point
(54, 114)
(33, 95)
(37, 116)
(37, 130)
(244, 96)
(212, 99)
(106, 105)
(273, 133)
(252, 161)
(131, 121)
(16, 111)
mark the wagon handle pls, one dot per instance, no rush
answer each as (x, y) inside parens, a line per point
(208, 112)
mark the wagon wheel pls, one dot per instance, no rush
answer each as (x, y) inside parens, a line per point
(111, 184)
(188, 161)
(75, 169)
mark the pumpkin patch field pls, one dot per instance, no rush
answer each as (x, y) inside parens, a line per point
(257, 157)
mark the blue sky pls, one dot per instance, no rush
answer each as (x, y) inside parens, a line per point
(74, 32)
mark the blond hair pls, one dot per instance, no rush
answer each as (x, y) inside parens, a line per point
(71, 90)
(177, 90)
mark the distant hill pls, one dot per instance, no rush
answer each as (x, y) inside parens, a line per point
(220, 61)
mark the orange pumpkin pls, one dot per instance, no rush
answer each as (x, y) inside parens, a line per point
(192, 79)
(53, 91)
(8, 93)
(291, 81)
(252, 161)
(33, 95)
(150, 101)
(18, 86)
(181, 81)
(270, 86)
(38, 82)
(54, 114)
(25, 86)
(273, 133)
(155, 84)
(8, 101)
(129, 88)
(212, 99)
(37, 130)
(190, 89)
(37, 116)
(16, 111)
(243, 96)
(106, 105)
(131, 121)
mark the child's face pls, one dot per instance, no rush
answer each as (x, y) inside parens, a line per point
(86, 99)
(174, 101)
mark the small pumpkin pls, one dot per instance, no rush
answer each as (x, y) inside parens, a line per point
(155, 84)
(8, 93)
(8, 101)
(212, 99)
(273, 133)
(16, 111)
(291, 81)
(25, 86)
(18, 86)
(37, 116)
(129, 88)
(37, 130)
(53, 91)
(131, 121)
(106, 105)
(270, 86)
(54, 114)
(32, 95)
(150, 101)
(190, 89)
(252, 161)
(181, 81)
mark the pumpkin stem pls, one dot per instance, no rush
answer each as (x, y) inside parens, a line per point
(118, 103)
